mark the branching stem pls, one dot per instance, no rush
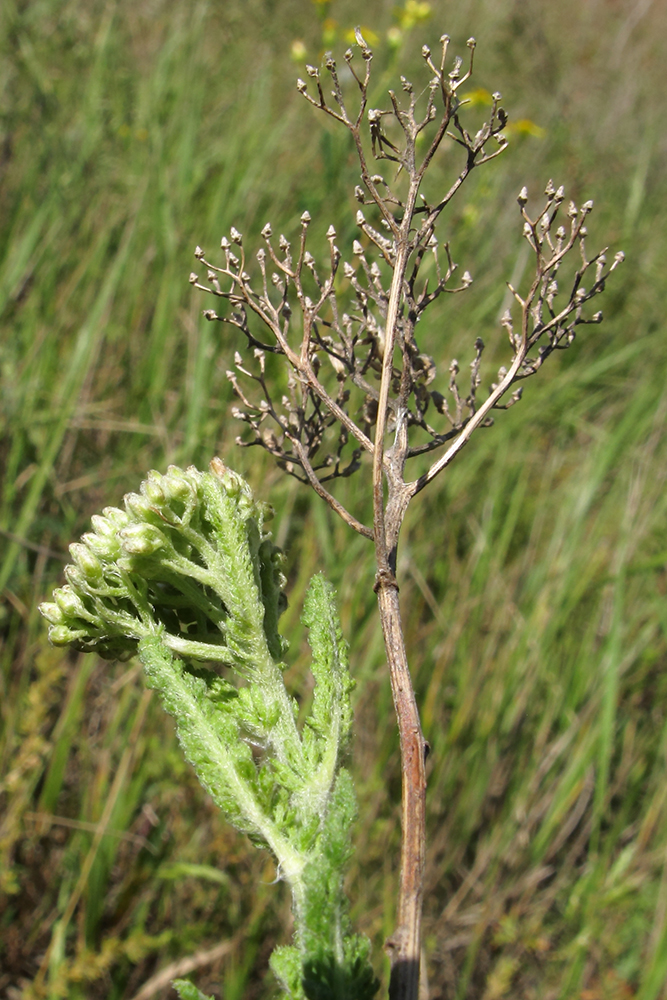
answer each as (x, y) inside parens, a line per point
(360, 328)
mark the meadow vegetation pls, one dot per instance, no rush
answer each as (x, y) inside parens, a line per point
(532, 575)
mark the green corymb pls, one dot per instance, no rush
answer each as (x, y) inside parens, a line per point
(186, 575)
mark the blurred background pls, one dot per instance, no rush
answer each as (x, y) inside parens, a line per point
(533, 574)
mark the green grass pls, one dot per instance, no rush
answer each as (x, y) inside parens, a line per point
(532, 575)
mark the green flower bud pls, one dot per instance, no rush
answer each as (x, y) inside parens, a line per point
(87, 562)
(265, 510)
(102, 526)
(153, 490)
(52, 613)
(231, 482)
(138, 507)
(61, 635)
(105, 546)
(76, 578)
(178, 485)
(69, 603)
(114, 517)
(141, 539)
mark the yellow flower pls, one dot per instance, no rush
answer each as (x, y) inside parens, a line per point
(394, 37)
(298, 51)
(413, 13)
(525, 127)
(478, 96)
(329, 32)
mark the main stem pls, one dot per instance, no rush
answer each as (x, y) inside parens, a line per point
(404, 945)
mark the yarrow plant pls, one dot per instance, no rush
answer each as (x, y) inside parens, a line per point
(186, 574)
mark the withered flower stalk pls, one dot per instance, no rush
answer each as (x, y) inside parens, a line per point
(359, 384)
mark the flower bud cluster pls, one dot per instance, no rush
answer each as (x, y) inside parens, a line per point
(159, 564)
(187, 572)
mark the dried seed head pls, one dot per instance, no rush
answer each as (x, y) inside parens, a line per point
(236, 236)
(305, 218)
(523, 196)
(363, 44)
(199, 253)
(267, 232)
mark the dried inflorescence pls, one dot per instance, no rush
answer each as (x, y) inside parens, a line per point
(332, 319)
(359, 380)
